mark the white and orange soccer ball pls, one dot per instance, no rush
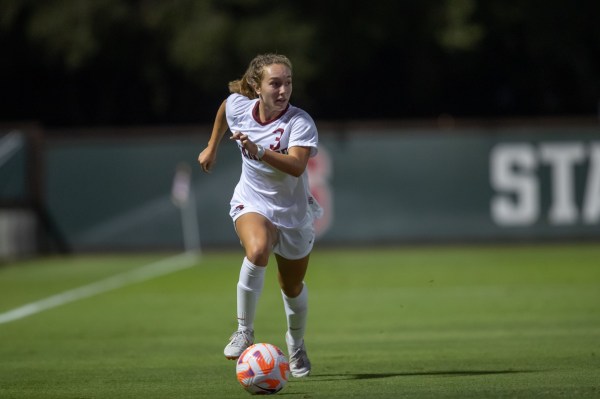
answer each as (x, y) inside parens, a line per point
(263, 369)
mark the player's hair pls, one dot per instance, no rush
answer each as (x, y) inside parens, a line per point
(254, 74)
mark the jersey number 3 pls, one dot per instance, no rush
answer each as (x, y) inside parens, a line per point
(279, 133)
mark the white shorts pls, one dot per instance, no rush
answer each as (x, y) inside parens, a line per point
(292, 243)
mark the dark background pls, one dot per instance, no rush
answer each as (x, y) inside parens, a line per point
(111, 62)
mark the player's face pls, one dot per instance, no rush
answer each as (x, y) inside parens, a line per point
(275, 88)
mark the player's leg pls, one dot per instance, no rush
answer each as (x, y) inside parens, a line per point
(295, 298)
(257, 235)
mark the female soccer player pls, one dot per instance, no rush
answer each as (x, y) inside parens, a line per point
(272, 208)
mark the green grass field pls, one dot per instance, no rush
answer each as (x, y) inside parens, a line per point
(423, 322)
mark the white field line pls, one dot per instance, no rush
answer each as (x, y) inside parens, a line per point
(147, 272)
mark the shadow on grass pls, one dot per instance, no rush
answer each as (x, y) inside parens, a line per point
(372, 376)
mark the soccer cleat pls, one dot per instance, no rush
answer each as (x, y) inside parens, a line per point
(238, 342)
(298, 359)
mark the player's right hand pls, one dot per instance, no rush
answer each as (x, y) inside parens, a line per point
(207, 159)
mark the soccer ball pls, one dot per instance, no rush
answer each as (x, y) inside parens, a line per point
(262, 369)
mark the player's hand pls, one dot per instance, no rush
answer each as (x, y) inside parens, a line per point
(245, 142)
(207, 159)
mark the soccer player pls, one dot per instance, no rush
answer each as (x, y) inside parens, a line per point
(272, 208)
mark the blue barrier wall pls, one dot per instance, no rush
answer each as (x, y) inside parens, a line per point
(377, 185)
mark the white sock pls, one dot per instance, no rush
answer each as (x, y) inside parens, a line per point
(296, 310)
(249, 288)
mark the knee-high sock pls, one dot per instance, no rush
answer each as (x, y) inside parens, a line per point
(296, 310)
(249, 288)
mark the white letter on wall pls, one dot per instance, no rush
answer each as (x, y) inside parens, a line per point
(562, 158)
(591, 201)
(512, 169)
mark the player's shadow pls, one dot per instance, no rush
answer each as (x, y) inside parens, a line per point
(373, 376)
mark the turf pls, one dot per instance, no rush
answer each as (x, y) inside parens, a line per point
(425, 322)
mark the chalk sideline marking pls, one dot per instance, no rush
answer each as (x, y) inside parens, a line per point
(152, 270)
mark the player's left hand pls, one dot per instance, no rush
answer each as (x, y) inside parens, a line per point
(245, 141)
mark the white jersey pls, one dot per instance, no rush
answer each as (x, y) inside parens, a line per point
(284, 199)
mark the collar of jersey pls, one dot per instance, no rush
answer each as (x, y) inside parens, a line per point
(256, 116)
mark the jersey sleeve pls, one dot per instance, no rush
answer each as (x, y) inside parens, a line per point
(304, 133)
(235, 107)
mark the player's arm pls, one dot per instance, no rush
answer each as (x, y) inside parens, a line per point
(208, 156)
(293, 163)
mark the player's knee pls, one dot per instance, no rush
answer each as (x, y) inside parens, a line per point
(291, 290)
(258, 254)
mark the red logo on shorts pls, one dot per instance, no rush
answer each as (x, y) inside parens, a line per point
(238, 209)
